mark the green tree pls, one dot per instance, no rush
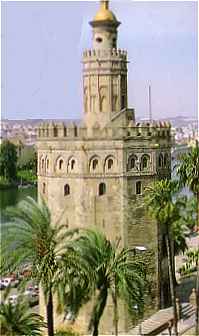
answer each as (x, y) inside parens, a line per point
(16, 320)
(166, 209)
(31, 238)
(116, 273)
(8, 160)
(190, 213)
(192, 260)
(188, 172)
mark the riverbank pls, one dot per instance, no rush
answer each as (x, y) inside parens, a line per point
(11, 196)
(14, 185)
(25, 178)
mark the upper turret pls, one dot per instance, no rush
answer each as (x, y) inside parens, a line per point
(104, 13)
(104, 28)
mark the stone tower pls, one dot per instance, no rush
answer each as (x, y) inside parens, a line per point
(94, 174)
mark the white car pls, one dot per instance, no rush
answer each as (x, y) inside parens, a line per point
(6, 282)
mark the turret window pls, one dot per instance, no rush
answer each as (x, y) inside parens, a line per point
(72, 164)
(102, 189)
(166, 160)
(55, 132)
(99, 39)
(94, 164)
(66, 190)
(61, 164)
(110, 163)
(144, 162)
(44, 188)
(138, 188)
(114, 42)
(132, 162)
(160, 160)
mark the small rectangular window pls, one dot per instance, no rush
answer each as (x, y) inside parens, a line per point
(138, 188)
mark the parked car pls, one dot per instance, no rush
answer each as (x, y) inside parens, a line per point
(2, 286)
(6, 282)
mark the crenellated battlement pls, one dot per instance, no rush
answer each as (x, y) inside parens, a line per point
(53, 131)
(106, 53)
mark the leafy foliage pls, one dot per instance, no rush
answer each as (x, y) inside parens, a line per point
(164, 205)
(116, 273)
(192, 260)
(166, 208)
(30, 238)
(16, 320)
(8, 160)
(188, 170)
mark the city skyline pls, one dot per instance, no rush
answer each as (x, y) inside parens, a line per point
(42, 45)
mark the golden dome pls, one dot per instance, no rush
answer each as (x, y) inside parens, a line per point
(104, 14)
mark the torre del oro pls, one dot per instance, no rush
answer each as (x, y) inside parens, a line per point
(95, 173)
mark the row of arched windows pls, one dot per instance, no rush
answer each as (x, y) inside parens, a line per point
(163, 160)
(95, 164)
(108, 165)
(142, 164)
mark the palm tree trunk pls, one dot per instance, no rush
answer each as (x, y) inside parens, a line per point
(98, 310)
(116, 317)
(197, 275)
(160, 290)
(172, 289)
(49, 313)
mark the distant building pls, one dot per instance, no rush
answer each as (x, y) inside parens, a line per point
(95, 174)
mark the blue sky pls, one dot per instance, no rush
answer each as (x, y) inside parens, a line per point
(42, 45)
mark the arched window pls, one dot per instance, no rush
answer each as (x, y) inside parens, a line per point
(85, 100)
(144, 161)
(110, 164)
(72, 164)
(160, 160)
(138, 187)
(42, 163)
(132, 162)
(102, 189)
(94, 164)
(66, 190)
(55, 132)
(103, 98)
(61, 163)
(102, 103)
(166, 160)
(47, 163)
(44, 188)
(99, 39)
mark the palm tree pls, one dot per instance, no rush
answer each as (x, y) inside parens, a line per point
(116, 273)
(16, 320)
(188, 172)
(30, 238)
(167, 211)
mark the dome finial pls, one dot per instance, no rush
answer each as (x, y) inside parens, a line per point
(104, 4)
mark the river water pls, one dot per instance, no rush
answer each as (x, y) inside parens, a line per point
(11, 197)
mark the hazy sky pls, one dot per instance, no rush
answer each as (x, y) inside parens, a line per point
(42, 44)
